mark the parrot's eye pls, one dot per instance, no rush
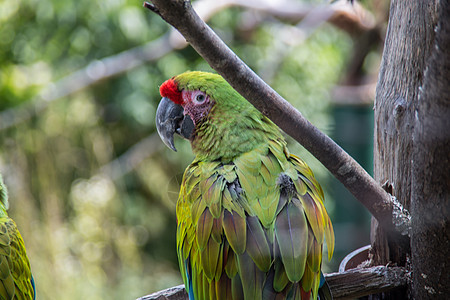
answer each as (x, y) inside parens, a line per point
(200, 98)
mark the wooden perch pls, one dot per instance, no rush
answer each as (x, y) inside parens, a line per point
(389, 213)
(174, 293)
(353, 283)
(361, 282)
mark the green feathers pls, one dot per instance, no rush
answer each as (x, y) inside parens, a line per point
(3, 197)
(237, 223)
(251, 219)
(15, 274)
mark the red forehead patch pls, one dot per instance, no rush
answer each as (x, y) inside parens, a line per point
(170, 90)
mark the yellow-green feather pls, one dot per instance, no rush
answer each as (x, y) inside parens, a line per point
(15, 273)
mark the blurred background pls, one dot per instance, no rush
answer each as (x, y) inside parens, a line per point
(92, 188)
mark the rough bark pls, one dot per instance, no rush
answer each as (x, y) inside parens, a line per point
(412, 141)
(430, 199)
(408, 42)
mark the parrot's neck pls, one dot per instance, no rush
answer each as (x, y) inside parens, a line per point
(225, 137)
(3, 212)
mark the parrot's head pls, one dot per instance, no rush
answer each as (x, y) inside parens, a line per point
(186, 104)
(204, 109)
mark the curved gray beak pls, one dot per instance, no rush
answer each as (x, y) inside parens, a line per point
(170, 119)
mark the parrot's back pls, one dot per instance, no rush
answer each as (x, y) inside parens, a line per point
(252, 228)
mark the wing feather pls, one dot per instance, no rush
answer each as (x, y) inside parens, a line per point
(329, 237)
(252, 278)
(291, 232)
(280, 280)
(234, 227)
(314, 216)
(230, 262)
(204, 227)
(257, 245)
(217, 229)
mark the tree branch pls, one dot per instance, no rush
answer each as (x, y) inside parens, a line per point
(181, 15)
(353, 283)
(174, 293)
(361, 282)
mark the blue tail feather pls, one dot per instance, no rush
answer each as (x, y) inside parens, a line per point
(34, 287)
(189, 288)
(324, 289)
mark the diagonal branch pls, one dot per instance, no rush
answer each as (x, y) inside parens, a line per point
(181, 15)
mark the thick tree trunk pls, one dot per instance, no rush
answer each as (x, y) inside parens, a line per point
(430, 199)
(411, 149)
(408, 41)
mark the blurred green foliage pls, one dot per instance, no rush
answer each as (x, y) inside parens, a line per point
(91, 235)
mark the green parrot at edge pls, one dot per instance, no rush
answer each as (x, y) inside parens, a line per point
(16, 281)
(251, 223)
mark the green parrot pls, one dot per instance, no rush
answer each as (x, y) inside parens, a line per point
(16, 281)
(251, 223)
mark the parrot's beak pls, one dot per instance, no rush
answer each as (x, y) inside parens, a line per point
(170, 119)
